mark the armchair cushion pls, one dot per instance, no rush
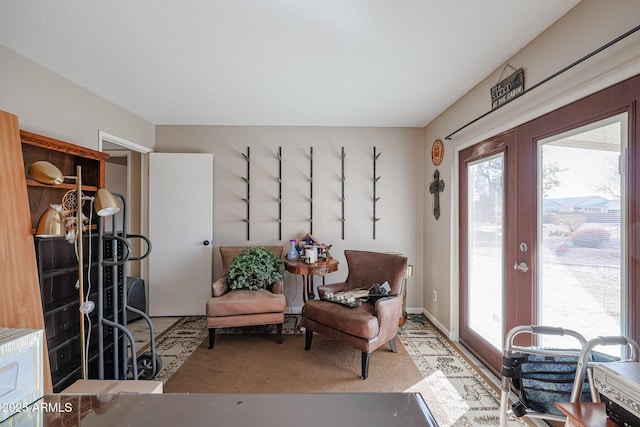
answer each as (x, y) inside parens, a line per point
(360, 321)
(245, 302)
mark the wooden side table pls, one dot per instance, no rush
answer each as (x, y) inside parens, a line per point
(586, 414)
(307, 271)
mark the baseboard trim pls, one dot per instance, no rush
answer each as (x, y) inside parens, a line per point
(438, 325)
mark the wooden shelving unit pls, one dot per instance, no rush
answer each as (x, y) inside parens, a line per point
(56, 258)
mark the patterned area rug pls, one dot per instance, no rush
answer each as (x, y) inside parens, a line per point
(456, 393)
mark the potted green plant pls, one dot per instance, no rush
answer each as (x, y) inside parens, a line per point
(254, 268)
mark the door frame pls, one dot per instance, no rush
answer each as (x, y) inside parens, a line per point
(105, 137)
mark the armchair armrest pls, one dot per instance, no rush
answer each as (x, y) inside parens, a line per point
(277, 287)
(219, 287)
(388, 310)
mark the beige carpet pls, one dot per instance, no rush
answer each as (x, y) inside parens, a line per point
(250, 363)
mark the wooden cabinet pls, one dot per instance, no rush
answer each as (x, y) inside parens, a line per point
(57, 264)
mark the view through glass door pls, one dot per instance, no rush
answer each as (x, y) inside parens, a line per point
(484, 182)
(581, 224)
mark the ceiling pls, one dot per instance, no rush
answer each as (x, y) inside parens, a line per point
(277, 62)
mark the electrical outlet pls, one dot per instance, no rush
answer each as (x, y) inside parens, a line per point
(435, 296)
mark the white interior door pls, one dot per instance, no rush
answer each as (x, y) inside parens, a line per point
(180, 229)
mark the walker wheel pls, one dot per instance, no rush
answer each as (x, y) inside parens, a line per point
(145, 365)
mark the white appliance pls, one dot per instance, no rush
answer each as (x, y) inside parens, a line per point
(619, 386)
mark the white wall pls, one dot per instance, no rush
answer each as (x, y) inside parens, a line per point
(591, 24)
(400, 189)
(51, 105)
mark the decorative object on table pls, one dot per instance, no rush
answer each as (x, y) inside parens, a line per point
(376, 178)
(247, 199)
(436, 187)
(46, 173)
(310, 254)
(437, 152)
(292, 255)
(254, 268)
(306, 242)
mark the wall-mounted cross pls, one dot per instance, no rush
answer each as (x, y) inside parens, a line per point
(436, 187)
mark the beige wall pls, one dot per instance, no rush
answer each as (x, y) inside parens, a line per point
(51, 105)
(400, 189)
(591, 24)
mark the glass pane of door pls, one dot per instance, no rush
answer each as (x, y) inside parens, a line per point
(485, 248)
(581, 228)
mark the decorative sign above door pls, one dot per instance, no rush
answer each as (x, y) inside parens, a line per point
(508, 89)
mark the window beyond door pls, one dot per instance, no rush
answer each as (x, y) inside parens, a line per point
(485, 248)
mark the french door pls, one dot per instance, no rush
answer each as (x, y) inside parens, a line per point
(547, 234)
(487, 205)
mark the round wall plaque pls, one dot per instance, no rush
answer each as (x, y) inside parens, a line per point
(437, 152)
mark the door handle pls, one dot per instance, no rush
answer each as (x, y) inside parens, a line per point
(206, 243)
(522, 266)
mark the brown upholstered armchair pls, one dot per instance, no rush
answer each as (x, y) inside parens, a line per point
(244, 307)
(369, 325)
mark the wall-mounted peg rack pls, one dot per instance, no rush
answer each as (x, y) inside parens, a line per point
(311, 190)
(376, 178)
(247, 200)
(279, 179)
(342, 155)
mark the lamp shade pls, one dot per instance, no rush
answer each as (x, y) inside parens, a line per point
(106, 204)
(50, 224)
(45, 173)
